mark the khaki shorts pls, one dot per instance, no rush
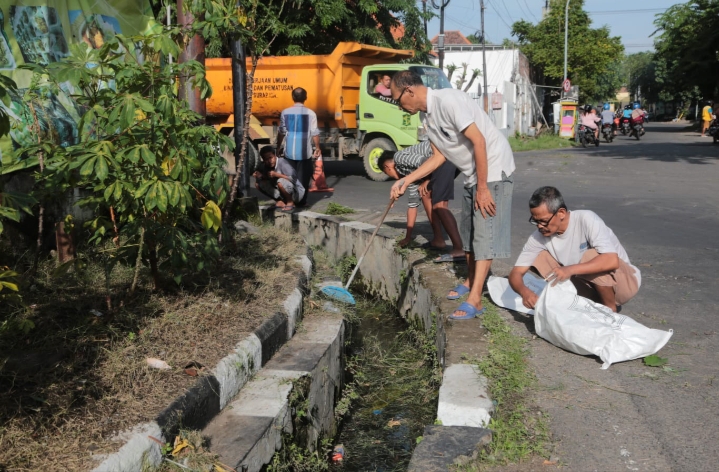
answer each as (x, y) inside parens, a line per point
(623, 279)
(707, 123)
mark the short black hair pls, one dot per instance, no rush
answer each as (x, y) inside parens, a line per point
(549, 196)
(385, 157)
(266, 150)
(299, 95)
(406, 78)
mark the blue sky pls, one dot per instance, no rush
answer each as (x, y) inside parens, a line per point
(634, 24)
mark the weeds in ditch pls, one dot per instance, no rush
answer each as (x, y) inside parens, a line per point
(345, 266)
(295, 458)
(519, 429)
(336, 209)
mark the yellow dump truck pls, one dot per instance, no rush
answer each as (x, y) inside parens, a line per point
(353, 119)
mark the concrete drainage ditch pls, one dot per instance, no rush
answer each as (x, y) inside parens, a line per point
(284, 383)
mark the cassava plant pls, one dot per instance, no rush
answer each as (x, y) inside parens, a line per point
(152, 175)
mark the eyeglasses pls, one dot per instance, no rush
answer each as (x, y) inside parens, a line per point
(543, 223)
(398, 99)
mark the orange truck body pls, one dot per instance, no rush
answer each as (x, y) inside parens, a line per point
(332, 82)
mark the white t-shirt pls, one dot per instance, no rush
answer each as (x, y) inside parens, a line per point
(449, 112)
(586, 230)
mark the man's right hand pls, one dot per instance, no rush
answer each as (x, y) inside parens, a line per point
(529, 299)
(398, 189)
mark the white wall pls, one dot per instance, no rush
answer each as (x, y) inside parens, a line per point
(503, 76)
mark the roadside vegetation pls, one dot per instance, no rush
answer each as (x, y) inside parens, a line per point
(81, 374)
(519, 428)
(542, 142)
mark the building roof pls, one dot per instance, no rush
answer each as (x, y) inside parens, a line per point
(452, 37)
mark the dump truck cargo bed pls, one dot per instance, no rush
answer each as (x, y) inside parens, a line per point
(332, 82)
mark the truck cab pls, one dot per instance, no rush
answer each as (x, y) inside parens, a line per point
(384, 126)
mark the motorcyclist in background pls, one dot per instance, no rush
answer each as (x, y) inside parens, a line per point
(591, 120)
(608, 117)
(638, 112)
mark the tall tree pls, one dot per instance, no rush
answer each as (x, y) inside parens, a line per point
(687, 49)
(316, 26)
(592, 52)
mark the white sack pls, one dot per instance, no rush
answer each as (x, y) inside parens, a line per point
(503, 295)
(584, 327)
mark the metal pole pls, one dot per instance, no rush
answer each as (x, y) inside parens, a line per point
(485, 99)
(424, 15)
(440, 41)
(239, 88)
(566, 30)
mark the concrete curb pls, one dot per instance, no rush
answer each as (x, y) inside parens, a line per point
(196, 407)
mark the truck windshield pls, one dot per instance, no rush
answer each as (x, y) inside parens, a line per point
(432, 77)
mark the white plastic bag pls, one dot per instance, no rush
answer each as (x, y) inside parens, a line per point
(503, 295)
(584, 327)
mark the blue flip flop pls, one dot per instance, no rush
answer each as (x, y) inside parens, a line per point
(471, 312)
(460, 289)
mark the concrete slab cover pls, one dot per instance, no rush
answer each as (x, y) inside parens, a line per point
(441, 445)
(463, 397)
(137, 452)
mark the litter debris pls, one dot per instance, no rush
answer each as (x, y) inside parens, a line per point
(376, 412)
(193, 369)
(179, 445)
(96, 313)
(393, 423)
(338, 453)
(157, 363)
(330, 307)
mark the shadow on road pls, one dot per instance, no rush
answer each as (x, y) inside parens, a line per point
(692, 153)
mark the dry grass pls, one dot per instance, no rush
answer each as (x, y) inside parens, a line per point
(78, 379)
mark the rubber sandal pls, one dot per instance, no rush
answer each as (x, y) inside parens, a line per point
(461, 289)
(449, 258)
(469, 310)
(287, 208)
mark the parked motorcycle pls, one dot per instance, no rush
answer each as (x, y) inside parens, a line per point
(586, 136)
(637, 128)
(608, 132)
(714, 130)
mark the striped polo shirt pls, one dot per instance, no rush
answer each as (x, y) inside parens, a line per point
(298, 124)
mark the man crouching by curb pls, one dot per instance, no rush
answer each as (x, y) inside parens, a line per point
(574, 245)
(462, 133)
(278, 180)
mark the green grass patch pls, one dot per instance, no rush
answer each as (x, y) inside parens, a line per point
(337, 209)
(520, 429)
(545, 141)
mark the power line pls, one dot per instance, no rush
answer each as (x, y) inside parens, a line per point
(624, 12)
(531, 12)
(498, 14)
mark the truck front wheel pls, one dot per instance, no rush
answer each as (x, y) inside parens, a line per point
(371, 152)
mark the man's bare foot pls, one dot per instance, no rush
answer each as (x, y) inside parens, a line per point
(280, 204)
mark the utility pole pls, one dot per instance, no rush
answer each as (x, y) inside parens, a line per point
(424, 15)
(485, 99)
(195, 50)
(566, 30)
(440, 40)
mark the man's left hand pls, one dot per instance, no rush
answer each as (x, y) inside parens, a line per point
(559, 274)
(317, 153)
(484, 202)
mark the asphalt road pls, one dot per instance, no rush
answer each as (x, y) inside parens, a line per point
(660, 196)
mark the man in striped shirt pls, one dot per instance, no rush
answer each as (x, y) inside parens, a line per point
(434, 191)
(298, 129)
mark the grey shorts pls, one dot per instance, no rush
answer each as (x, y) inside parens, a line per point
(270, 189)
(488, 238)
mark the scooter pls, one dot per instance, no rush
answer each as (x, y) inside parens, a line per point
(608, 132)
(586, 136)
(625, 126)
(637, 128)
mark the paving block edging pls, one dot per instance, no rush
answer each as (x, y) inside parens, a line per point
(211, 393)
